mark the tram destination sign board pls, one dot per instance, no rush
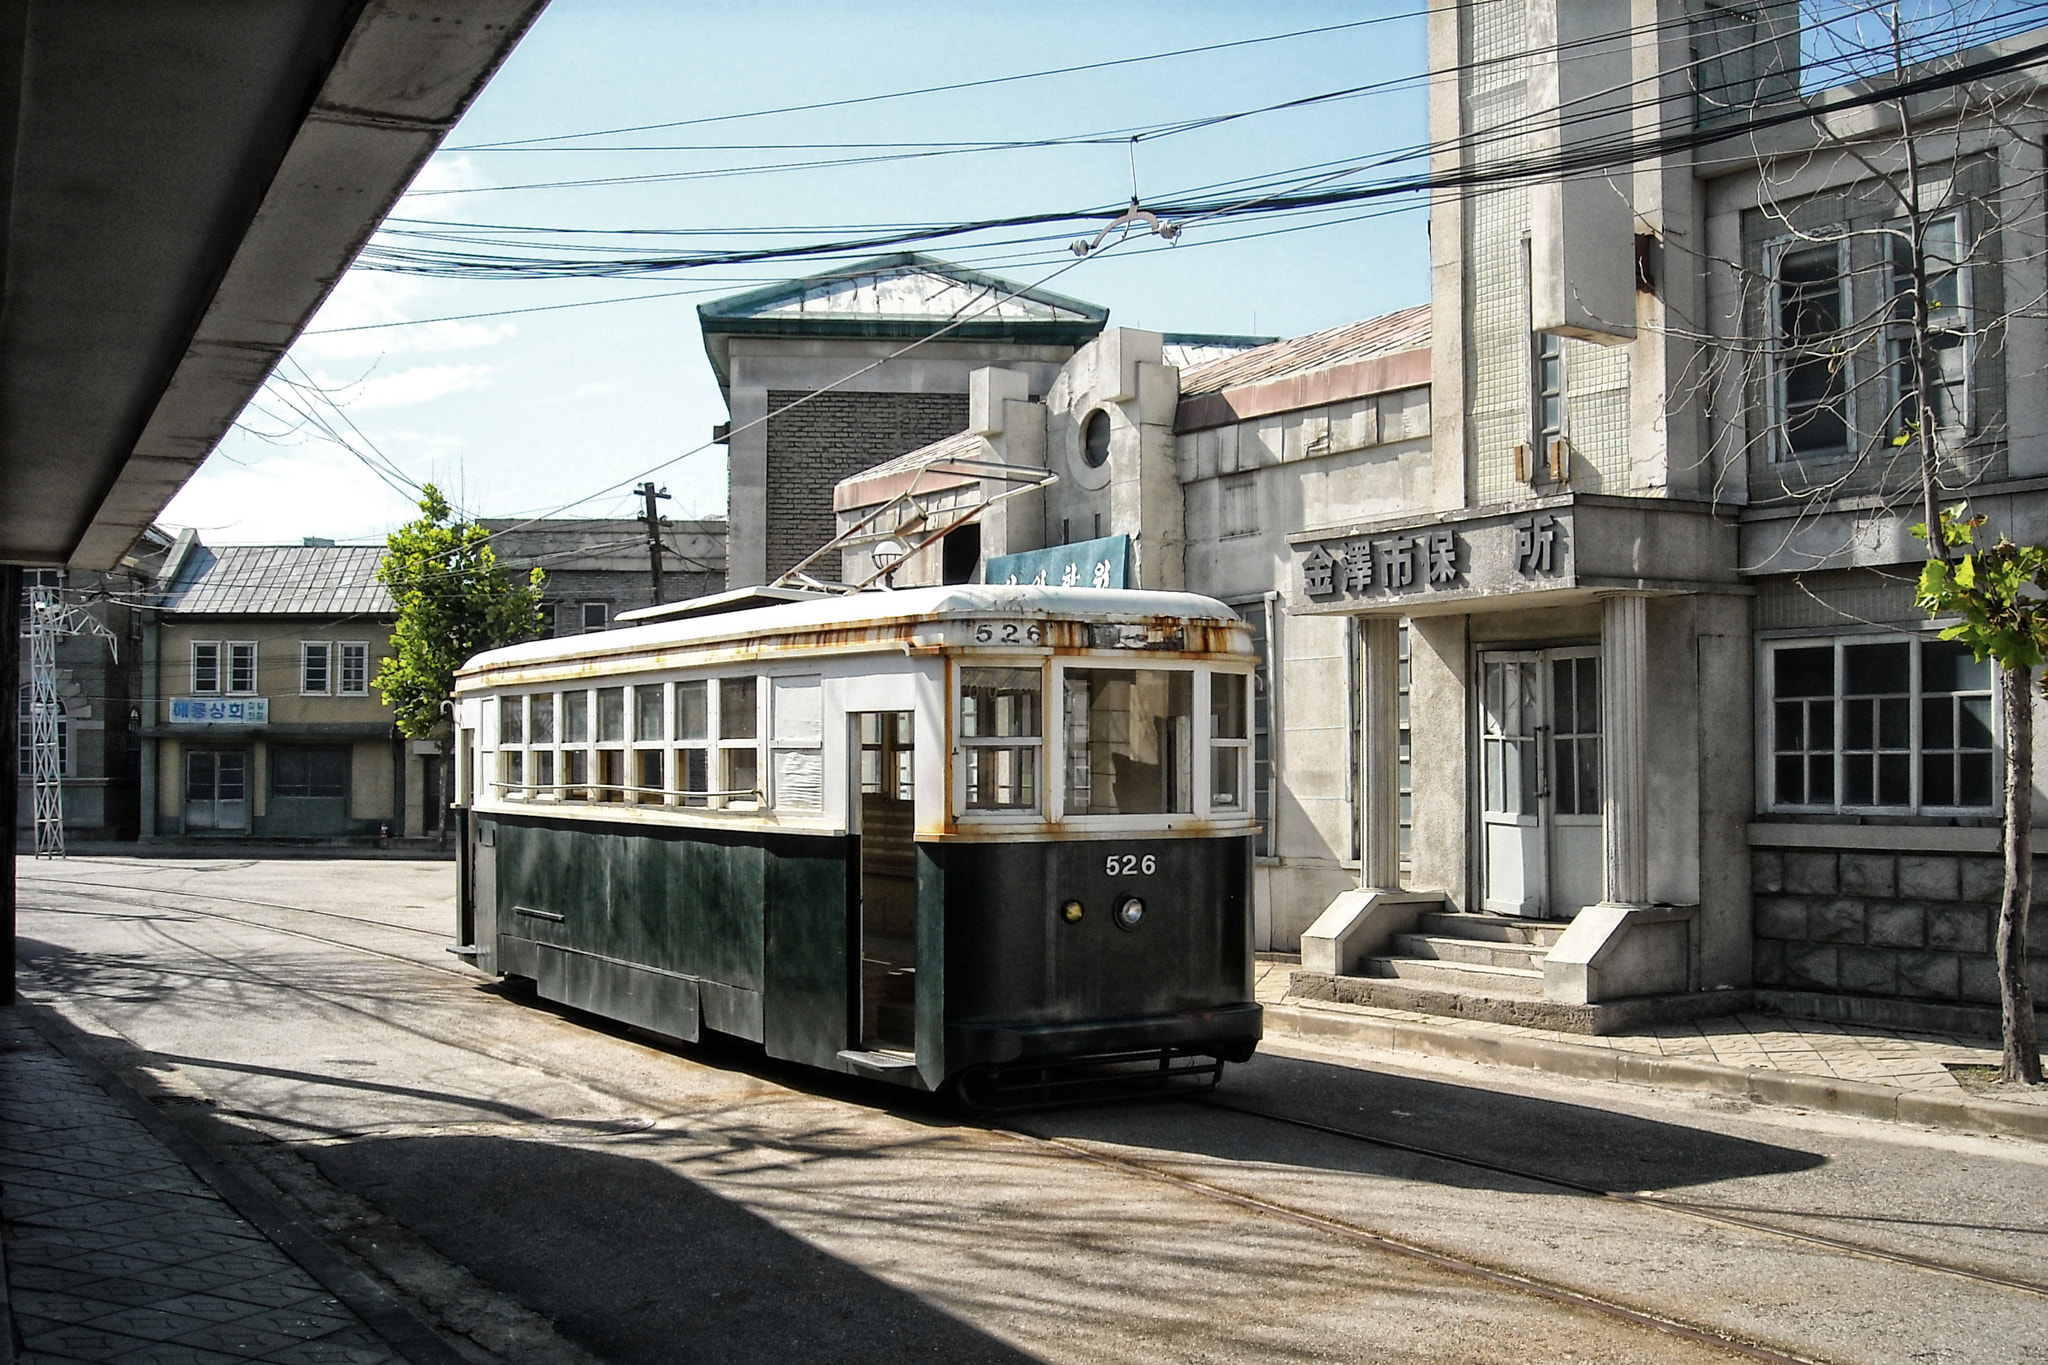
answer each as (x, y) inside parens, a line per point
(1102, 563)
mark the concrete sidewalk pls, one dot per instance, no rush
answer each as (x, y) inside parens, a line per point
(1766, 1059)
(116, 1248)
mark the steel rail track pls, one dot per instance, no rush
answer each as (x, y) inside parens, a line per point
(1511, 1280)
(1515, 1281)
(231, 900)
(1676, 1207)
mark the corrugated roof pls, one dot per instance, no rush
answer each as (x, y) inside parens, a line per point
(280, 580)
(1406, 330)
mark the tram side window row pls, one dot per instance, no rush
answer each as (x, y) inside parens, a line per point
(694, 743)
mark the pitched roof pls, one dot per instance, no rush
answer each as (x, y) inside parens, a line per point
(279, 580)
(1407, 330)
(906, 294)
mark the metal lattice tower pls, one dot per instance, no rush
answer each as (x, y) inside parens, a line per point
(46, 755)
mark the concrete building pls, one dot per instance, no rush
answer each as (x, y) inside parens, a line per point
(842, 336)
(98, 675)
(1595, 691)
(599, 568)
(259, 717)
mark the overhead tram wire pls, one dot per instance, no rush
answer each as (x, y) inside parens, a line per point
(1506, 171)
(981, 83)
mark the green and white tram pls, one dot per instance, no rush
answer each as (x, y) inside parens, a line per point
(981, 834)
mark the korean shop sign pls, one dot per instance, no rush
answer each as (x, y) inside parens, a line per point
(1084, 564)
(220, 710)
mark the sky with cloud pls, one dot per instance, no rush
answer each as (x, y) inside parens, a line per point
(532, 407)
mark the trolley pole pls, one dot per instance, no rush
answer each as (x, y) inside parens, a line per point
(648, 495)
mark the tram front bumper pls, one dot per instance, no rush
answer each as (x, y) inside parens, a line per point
(1226, 1031)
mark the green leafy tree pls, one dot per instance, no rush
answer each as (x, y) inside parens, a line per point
(2000, 594)
(454, 600)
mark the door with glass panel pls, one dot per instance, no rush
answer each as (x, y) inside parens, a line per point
(883, 807)
(1539, 759)
(216, 790)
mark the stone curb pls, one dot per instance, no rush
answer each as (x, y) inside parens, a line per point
(403, 1329)
(1792, 1089)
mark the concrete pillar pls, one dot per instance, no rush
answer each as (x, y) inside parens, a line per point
(1624, 705)
(1379, 777)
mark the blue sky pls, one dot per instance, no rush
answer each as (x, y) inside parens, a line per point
(519, 415)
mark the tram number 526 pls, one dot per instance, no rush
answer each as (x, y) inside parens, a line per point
(1131, 865)
(1007, 633)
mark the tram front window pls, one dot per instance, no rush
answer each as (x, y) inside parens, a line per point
(1001, 728)
(1130, 741)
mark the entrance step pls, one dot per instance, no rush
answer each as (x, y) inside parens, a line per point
(1470, 976)
(1491, 928)
(1478, 952)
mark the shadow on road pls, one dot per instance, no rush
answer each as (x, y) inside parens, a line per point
(640, 1264)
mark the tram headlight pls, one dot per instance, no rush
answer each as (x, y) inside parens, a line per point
(1129, 911)
(1071, 912)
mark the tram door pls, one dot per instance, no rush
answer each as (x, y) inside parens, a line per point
(888, 880)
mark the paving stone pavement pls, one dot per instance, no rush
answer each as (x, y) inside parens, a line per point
(116, 1251)
(1917, 1062)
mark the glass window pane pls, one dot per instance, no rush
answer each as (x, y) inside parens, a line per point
(543, 717)
(576, 772)
(1791, 789)
(1130, 739)
(1002, 777)
(1791, 726)
(693, 710)
(1937, 724)
(1859, 724)
(575, 718)
(1820, 780)
(1938, 781)
(1001, 702)
(1974, 722)
(1895, 723)
(1226, 706)
(1870, 670)
(1820, 725)
(648, 779)
(544, 771)
(694, 768)
(1807, 672)
(740, 772)
(1894, 779)
(1947, 666)
(611, 715)
(738, 715)
(1589, 777)
(1859, 784)
(1975, 773)
(647, 709)
(1226, 777)
(510, 712)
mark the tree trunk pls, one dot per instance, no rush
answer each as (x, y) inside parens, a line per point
(2022, 1060)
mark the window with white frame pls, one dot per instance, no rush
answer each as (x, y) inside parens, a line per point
(241, 668)
(596, 616)
(693, 741)
(1546, 399)
(511, 753)
(650, 732)
(1810, 351)
(1877, 722)
(739, 742)
(1942, 253)
(206, 677)
(610, 760)
(316, 668)
(798, 740)
(1002, 737)
(1130, 741)
(574, 759)
(353, 668)
(540, 753)
(1230, 741)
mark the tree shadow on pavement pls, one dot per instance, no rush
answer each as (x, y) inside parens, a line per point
(640, 1264)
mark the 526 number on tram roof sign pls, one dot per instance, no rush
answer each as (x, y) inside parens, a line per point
(1008, 633)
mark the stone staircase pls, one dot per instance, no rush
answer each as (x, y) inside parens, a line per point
(1481, 955)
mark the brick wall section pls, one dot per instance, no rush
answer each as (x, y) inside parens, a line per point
(828, 438)
(1910, 926)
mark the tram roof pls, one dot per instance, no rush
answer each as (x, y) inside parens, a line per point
(868, 608)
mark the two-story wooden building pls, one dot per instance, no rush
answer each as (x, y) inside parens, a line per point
(260, 720)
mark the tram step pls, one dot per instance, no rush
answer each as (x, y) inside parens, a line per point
(1493, 928)
(1466, 976)
(879, 1061)
(1481, 952)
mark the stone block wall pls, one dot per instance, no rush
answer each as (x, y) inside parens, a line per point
(830, 437)
(1899, 926)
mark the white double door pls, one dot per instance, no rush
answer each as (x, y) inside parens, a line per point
(1540, 781)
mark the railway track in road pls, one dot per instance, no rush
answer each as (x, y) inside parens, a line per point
(1676, 1207)
(1501, 1277)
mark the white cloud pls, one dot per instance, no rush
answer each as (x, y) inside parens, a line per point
(263, 495)
(421, 384)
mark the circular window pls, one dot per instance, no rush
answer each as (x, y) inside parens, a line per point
(1095, 439)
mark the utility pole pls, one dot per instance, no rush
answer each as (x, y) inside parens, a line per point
(648, 494)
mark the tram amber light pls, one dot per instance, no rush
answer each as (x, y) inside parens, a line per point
(1071, 912)
(1129, 911)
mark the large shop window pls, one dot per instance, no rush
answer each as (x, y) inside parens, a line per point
(1863, 723)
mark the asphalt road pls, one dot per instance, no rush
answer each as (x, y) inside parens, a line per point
(551, 1188)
